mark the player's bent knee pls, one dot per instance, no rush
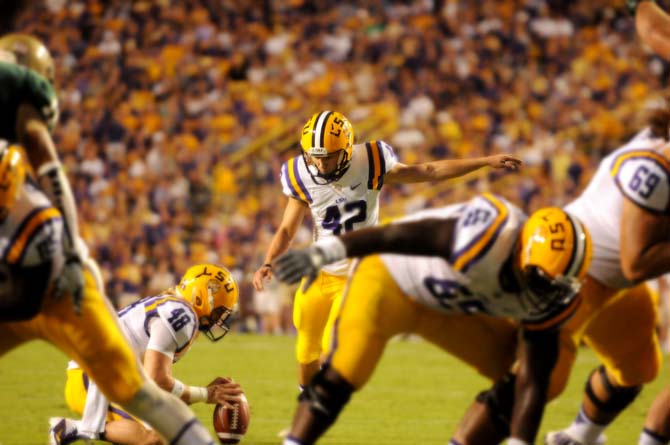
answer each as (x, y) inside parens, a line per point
(617, 398)
(639, 371)
(327, 394)
(560, 374)
(308, 352)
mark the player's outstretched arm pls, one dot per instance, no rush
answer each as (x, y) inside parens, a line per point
(293, 215)
(653, 27)
(430, 237)
(447, 168)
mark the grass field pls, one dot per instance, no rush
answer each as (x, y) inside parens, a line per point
(416, 396)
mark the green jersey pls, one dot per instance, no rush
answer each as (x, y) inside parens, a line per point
(19, 85)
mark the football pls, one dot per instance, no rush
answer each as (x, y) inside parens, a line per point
(230, 424)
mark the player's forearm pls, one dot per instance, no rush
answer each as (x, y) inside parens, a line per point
(652, 262)
(450, 168)
(653, 27)
(526, 421)
(538, 357)
(427, 238)
(188, 394)
(279, 244)
(51, 176)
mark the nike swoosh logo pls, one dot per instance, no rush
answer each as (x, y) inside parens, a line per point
(353, 187)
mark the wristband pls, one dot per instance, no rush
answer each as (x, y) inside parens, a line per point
(198, 394)
(267, 265)
(515, 441)
(177, 388)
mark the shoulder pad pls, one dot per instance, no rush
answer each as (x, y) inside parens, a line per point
(293, 180)
(477, 229)
(643, 176)
(381, 159)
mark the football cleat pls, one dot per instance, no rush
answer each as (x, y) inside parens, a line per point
(63, 431)
(563, 438)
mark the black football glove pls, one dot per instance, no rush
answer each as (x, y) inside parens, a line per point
(295, 264)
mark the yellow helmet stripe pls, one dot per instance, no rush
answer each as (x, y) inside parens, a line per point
(462, 260)
(579, 250)
(621, 159)
(319, 133)
(25, 233)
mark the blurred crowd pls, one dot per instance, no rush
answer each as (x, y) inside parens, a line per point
(158, 99)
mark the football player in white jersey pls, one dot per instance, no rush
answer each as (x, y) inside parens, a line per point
(32, 257)
(458, 272)
(161, 330)
(626, 207)
(339, 184)
(652, 24)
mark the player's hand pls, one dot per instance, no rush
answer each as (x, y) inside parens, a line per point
(295, 264)
(264, 273)
(71, 281)
(505, 161)
(224, 390)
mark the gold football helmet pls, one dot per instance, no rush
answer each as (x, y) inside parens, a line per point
(554, 254)
(325, 135)
(212, 292)
(12, 176)
(29, 52)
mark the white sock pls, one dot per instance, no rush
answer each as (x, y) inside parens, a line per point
(583, 429)
(168, 415)
(95, 412)
(288, 441)
(648, 437)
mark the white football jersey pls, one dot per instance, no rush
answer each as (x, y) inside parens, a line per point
(639, 171)
(175, 314)
(177, 318)
(351, 202)
(32, 234)
(485, 237)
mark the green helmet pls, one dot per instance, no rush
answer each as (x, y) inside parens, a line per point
(29, 52)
